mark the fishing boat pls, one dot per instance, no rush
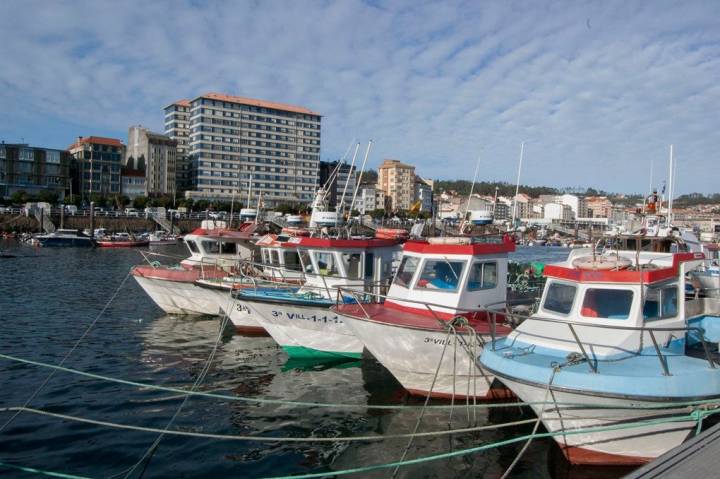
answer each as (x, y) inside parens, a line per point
(214, 252)
(301, 321)
(122, 240)
(610, 360)
(430, 326)
(66, 237)
(161, 238)
(707, 278)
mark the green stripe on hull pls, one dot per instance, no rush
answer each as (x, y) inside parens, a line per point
(302, 352)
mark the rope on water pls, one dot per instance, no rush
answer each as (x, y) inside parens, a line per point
(67, 355)
(282, 402)
(40, 471)
(494, 445)
(231, 437)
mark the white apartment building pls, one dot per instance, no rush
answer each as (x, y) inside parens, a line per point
(233, 139)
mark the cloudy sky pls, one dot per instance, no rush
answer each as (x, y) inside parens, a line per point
(597, 90)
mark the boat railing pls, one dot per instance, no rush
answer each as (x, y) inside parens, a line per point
(642, 329)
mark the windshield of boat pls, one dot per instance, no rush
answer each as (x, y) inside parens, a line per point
(228, 248)
(352, 263)
(406, 271)
(441, 274)
(607, 303)
(210, 246)
(327, 265)
(559, 298)
(292, 260)
(193, 247)
(482, 276)
(660, 302)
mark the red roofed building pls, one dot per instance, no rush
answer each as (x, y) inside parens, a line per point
(96, 166)
(235, 138)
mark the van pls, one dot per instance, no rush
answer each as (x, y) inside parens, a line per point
(71, 209)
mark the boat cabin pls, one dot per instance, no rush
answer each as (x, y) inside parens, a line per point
(453, 274)
(329, 263)
(213, 244)
(599, 295)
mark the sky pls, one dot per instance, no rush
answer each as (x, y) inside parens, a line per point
(598, 91)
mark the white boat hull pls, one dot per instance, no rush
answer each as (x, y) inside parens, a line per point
(179, 297)
(306, 331)
(412, 356)
(629, 446)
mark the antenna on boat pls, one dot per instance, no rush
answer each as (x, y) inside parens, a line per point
(362, 170)
(347, 181)
(517, 184)
(670, 189)
(472, 188)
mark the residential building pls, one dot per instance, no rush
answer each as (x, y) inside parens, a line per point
(397, 181)
(96, 166)
(33, 170)
(369, 198)
(558, 211)
(502, 210)
(345, 176)
(598, 207)
(177, 127)
(156, 154)
(424, 194)
(132, 182)
(233, 138)
(521, 206)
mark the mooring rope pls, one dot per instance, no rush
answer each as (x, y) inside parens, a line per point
(67, 355)
(40, 471)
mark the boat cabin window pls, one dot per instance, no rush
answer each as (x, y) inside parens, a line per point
(607, 303)
(265, 255)
(368, 269)
(353, 264)
(441, 274)
(559, 298)
(210, 246)
(228, 248)
(327, 265)
(406, 271)
(305, 260)
(274, 257)
(660, 303)
(193, 247)
(482, 276)
(292, 260)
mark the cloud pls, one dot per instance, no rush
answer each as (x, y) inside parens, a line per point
(437, 84)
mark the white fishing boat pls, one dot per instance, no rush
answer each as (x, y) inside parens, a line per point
(430, 327)
(301, 321)
(214, 252)
(607, 363)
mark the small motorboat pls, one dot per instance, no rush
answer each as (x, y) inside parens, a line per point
(122, 240)
(66, 238)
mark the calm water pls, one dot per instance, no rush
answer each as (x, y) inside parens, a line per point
(49, 297)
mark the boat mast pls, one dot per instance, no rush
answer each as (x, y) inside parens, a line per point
(347, 181)
(670, 189)
(472, 188)
(362, 170)
(517, 184)
(250, 190)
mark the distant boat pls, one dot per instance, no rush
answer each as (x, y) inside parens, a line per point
(122, 241)
(66, 238)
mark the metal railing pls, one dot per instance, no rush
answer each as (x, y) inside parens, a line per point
(642, 329)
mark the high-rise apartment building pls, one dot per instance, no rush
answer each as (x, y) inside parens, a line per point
(177, 127)
(233, 139)
(343, 181)
(96, 166)
(33, 170)
(156, 155)
(397, 180)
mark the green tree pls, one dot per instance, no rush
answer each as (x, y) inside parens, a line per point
(19, 197)
(72, 200)
(286, 209)
(48, 197)
(121, 201)
(140, 202)
(99, 200)
(377, 213)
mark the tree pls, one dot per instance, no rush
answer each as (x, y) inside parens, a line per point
(19, 197)
(377, 214)
(99, 200)
(140, 202)
(286, 209)
(47, 196)
(72, 200)
(121, 201)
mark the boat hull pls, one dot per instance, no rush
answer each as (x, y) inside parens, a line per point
(412, 356)
(67, 242)
(628, 446)
(306, 331)
(179, 297)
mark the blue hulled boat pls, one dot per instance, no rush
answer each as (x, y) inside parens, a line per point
(66, 238)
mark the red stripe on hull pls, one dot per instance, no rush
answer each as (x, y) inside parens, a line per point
(251, 331)
(588, 457)
(494, 394)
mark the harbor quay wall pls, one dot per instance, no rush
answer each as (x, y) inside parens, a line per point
(25, 224)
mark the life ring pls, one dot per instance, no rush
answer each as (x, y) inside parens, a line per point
(602, 263)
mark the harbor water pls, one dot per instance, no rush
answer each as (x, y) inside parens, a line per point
(49, 298)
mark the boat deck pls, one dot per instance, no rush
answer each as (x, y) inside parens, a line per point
(698, 457)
